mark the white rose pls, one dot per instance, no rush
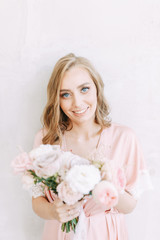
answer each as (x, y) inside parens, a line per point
(83, 178)
(48, 170)
(44, 150)
(68, 160)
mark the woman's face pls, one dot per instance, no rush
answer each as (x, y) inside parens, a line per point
(78, 95)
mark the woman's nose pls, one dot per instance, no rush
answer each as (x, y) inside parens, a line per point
(77, 100)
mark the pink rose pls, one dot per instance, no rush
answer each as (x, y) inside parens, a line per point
(21, 163)
(105, 193)
(119, 179)
(66, 194)
(27, 181)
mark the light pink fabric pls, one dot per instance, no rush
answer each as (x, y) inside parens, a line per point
(119, 144)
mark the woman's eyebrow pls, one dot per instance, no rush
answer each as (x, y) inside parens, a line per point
(80, 86)
(86, 83)
(65, 90)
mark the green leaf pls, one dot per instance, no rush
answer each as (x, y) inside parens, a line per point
(63, 227)
(74, 221)
(73, 226)
(68, 226)
(50, 182)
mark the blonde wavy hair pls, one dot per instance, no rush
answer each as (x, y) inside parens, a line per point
(55, 122)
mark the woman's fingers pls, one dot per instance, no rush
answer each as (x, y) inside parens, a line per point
(72, 215)
(91, 207)
(66, 212)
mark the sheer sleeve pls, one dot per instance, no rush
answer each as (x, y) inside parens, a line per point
(137, 174)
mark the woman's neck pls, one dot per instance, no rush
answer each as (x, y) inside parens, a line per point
(84, 131)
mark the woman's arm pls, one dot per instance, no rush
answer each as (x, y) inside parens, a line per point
(56, 210)
(126, 203)
(43, 208)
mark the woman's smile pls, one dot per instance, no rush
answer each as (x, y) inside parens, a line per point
(80, 112)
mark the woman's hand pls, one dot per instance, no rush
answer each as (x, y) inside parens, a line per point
(92, 208)
(55, 210)
(63, 212)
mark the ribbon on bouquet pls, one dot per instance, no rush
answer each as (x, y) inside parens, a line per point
(81, 228)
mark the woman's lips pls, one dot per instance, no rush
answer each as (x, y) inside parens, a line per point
(80, 112)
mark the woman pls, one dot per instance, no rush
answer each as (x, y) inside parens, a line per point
(76, 118)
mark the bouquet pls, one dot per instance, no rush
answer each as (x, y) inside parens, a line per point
(70, 177)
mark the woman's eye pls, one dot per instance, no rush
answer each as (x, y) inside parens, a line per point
(85, 89)
(65, 95)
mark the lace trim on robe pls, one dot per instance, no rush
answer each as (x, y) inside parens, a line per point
(37, 190)
(142, 184)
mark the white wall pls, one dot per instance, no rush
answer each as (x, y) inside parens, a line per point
(122, 39)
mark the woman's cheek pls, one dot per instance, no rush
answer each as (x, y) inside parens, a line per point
(65, 105)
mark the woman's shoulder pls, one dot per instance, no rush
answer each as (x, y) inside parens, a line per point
(41, 133)
(39, 136)
(119, 130)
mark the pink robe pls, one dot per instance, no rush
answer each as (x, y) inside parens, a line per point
(119, 144)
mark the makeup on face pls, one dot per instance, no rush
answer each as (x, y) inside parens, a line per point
(78, 95)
